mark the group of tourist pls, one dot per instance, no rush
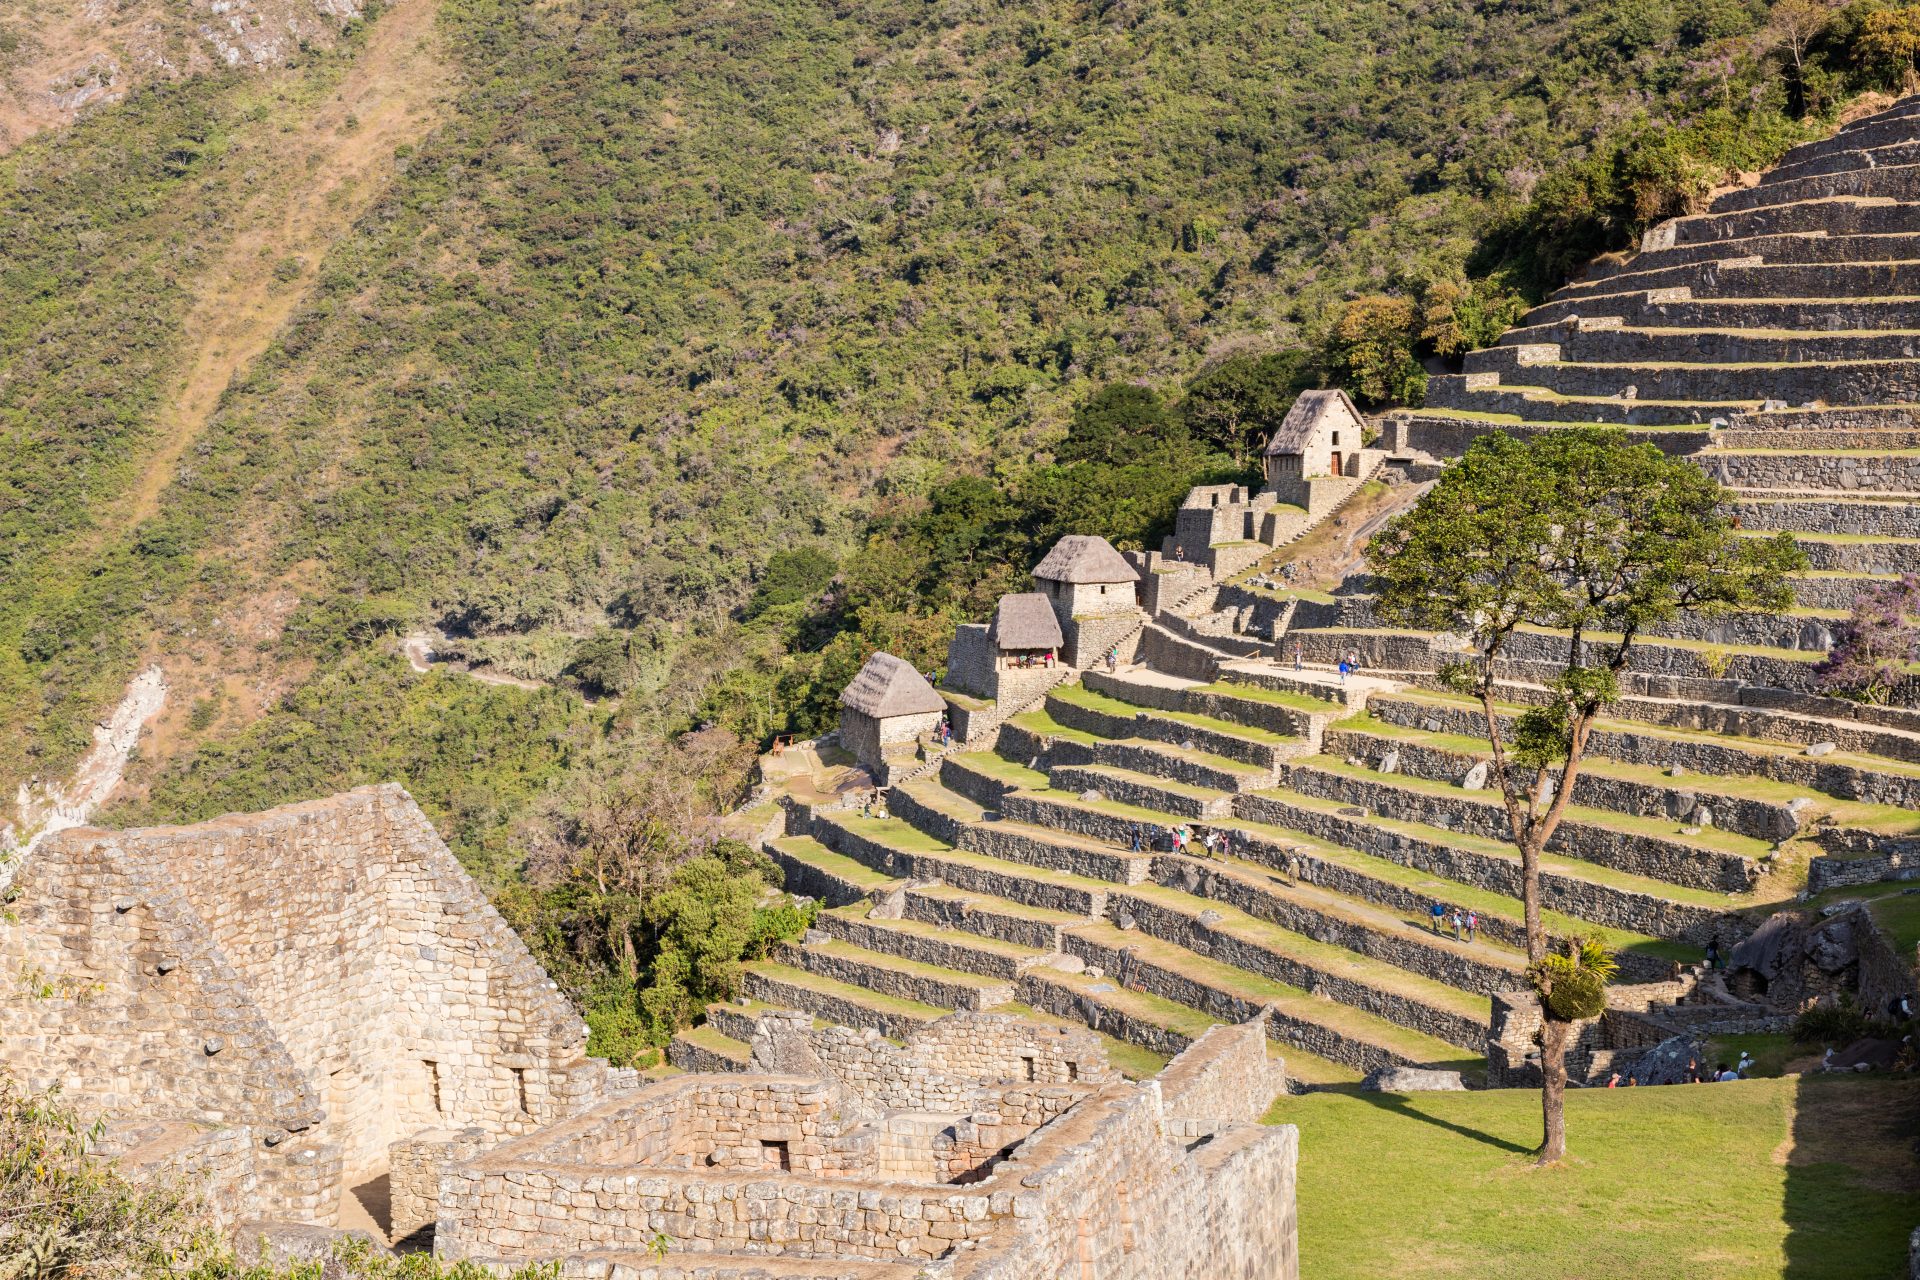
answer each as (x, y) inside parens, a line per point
(1721, 1074)
(1027, 661)
(1465, 922)
(1182, 838)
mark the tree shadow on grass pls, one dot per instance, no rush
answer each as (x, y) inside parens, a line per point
(1401, 1104)
(1853, 1178)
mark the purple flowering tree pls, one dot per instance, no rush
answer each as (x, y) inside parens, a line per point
(1873, 648)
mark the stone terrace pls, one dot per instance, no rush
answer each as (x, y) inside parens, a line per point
(1773, 339)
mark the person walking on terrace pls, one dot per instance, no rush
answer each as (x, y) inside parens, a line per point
(1459, 926)
(1439, 915)
(1299, 657)
(1135, 847)
(1473, 924)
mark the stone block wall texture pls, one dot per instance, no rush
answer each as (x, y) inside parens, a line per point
(874, 742)
(414, 1168)
(970, 661)
(322, 974)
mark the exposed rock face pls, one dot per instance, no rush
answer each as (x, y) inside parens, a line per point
(80, 54)
(1666, 1062)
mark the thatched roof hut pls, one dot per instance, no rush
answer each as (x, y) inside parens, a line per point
(1025, 621)
(888, 686)
(1083, 557)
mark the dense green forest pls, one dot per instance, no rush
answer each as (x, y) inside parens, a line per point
(702, 349)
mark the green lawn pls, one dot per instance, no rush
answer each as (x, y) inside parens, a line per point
(1800, 1178)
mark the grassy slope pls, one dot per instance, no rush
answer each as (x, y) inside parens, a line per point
(1800, 1178)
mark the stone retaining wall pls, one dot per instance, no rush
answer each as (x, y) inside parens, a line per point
(944, 953)
(1585, 899)
(997, 841)
(1008, 884)
(1409, 950)
(1761, 819)
(1143, 724)
(1142, 793)
(1637, 854)
(1157, 920)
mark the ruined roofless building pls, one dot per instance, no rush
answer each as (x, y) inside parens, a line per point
(272, 1002)
(983, 1147)
(884, 712)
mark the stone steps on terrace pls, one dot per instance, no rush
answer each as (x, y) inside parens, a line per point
(1037, 733)
(1798, 629)
(896, 975)
(1086, 710)
(1749, 277)
(894, 846)
(1402, 882)
(1235, 703)
(937, 945)
(1224, 993)
(1585, 342)
(1363, 925)
(1813, 474)
(1577, 890)
(1797, 381)
(1658, 850)
(837, 1001)
(1893, 182)
(1798, 248)
(1706, 748)
(1844, 517)
(705, 1048)
(1481, 393)
(1681, 308)
(1837, 215)
(1537, 656)
(1891, 128)
(1755, 807)
(1256, 946)
(1829, 589)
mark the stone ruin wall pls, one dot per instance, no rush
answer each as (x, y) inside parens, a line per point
(323, 975)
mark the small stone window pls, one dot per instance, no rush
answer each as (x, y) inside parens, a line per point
(1033, 1072)
(1336, 439)
(433, 1086)
(520, 1090)
(1073, 1071)
(777, 1156)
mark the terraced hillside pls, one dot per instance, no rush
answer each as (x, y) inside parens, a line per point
(1774, 340)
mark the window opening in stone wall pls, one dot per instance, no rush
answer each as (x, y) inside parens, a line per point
(520, 1089)
(433, 1086)
(1033, 1070)
(777, 1156)
(1073, 1071)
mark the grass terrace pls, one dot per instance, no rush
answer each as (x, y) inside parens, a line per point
(1800, 1178)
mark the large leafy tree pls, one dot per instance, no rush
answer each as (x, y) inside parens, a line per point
(1580, 533)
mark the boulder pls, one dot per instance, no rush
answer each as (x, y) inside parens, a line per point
(1666, 1062)
(1771, 950)
(1475, 778)
(285, 1244)
(1412, 1080)
(890, 905)
(1823, 748)
(1833, 946)
(1390, 762)
(1865, 1055)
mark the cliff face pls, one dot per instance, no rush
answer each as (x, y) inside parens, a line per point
(77, 54)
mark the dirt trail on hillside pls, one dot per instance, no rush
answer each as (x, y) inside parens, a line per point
(324, 176)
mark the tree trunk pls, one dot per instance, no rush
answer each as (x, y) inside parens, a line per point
(1554, 1035)
(1530, 896)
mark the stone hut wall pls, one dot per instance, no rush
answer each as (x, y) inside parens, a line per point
(1225, 1077)
(110, 988)
(396, 987)
(970, 662)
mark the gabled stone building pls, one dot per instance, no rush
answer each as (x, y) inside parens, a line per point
(1322, 437)
(273, 1001)
(1014, 655)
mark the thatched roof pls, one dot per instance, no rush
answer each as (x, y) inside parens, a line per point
(1082, 557)
(1313, 411)
(888, 686)
(1025, 621)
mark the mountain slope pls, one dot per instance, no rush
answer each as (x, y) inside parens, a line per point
(673, 286)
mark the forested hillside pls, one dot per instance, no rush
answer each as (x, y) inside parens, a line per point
(692, 350)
